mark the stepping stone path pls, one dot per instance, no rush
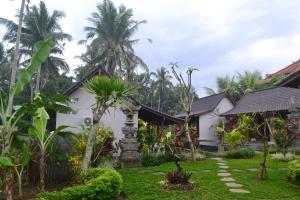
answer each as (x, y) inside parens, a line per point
(229, 182)
(223, 167)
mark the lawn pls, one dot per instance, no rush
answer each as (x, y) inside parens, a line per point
(142, 183)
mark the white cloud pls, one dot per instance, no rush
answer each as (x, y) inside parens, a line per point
(219, 37)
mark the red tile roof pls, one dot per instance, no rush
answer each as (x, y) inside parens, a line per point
(287, 70)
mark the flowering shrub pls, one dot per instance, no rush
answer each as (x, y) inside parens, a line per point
(148, 138)
(103, 146)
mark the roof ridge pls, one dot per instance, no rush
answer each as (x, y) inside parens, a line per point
(210, 96)
(298, 61)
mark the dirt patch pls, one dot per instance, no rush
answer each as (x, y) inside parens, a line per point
(181, 187)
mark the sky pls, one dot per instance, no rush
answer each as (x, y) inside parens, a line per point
(218, 37)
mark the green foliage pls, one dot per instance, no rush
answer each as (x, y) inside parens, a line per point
(99, 184)
(107, 90)
(8, 120)
(150, 160)
(238, 84)
(42, 50)
(5, 162)
(294, 172)
(235, 139)
(243, 153)
(282, 137)
(110, 39)
(156, 160)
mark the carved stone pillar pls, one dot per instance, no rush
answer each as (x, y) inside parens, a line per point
(130, 155)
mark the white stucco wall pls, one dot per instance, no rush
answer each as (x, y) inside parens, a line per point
(114, 118)
(208, 120)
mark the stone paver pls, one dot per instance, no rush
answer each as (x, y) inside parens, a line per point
(223, 167)
(236, 190)
(233, 185)
(207, 170)
(216, 158)
(158, 173)
(252, 170)
(224, 174)
(227, 179)
(222, 170)
(237, 170)
(221, 163)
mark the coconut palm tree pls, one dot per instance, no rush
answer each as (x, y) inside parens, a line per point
(108, 92)
(162, 82)
(249, 81)
(225, 84)
(111, 37)
(38, 25)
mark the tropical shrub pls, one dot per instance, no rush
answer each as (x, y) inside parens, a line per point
(148, 138)
(283, 158)
(282, 135)
(294, 172)
(99, 184)
(178, 177)
(108, 161)
(155, 160)
(235, 139)
(242, 153)
(103, 147)
(150, 160)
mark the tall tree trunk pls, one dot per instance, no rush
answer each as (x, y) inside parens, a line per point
(16, 53)
(42, 170)
(221, 149)
(158, 105)
(8, 184)
(187, 132)
(97, 115)
(262, 165)
(38, 81)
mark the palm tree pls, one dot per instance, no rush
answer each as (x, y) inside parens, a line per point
(110, 36)
(108, 92)
(162, 82)
(249, 81)
(39, 24)
(225, 84)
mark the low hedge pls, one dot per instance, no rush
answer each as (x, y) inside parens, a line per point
(98, 184)
(294, 172)
(242, 153)
(155, 160)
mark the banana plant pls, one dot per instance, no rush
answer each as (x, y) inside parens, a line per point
(18, 160)
(9, 120)
(39, 131)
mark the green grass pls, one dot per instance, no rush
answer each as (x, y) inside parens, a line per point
(142, 183)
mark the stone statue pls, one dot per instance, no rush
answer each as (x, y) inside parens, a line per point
(130, 155)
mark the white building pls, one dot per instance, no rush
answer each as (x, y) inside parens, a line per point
(113, 119)
(205, 113)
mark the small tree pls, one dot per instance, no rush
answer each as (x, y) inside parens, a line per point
(39, 131)
(109, 92)
(261, 122)
(186, 101)
(283, 133)
(221, 132)
(20, 160)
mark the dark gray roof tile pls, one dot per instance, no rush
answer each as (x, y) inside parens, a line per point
(274, 99)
